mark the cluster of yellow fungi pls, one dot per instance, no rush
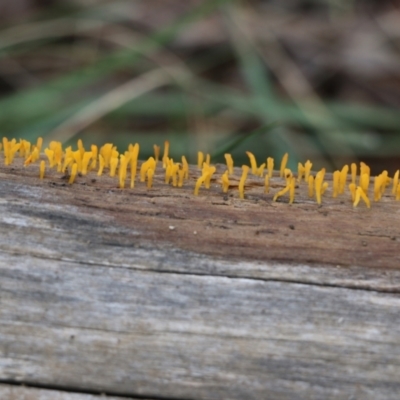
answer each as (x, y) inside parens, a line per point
(80, 161)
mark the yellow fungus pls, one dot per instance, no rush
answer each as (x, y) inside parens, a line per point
(364, 182)
(113, 166)
(77, 156)
(157, 150)
(32, 158)
(260, 170)
(270, 166)
(398, 192)
(253, 162)
(292, 186)
(352, 188)
(208, 159)
(39, 144)
(101, 165)
(95, 151)
(123, 165)
(50, 155)
(105, 152)
(311, 186)
(200, 159)
(385, 181)
(166, 153)
(181, 175)
(210, 173)
(300, 171)
(185, 168)
(266, 184)
(225, 181)
(343, 179)
(150, 163)
(229, 163)
(288, 175)
(13, 148)
(282, 192)
(87, 156)
(81, 148)
(336, 183)
(395, 181)
(307, 170)
(353, 172)
(174, 174)
(319, 179)
(378, 180)
(168, 171)
(283, 164)
(199, 182)
(134, 151)
(364, 169)
(42, 168)
(360, 194)
(74, 171)
(150, 174)
(245, 171)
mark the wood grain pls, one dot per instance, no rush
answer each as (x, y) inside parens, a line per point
(161, 294)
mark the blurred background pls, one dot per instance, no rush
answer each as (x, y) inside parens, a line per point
(319, 79)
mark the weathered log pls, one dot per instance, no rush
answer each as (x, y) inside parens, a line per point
(159, 293)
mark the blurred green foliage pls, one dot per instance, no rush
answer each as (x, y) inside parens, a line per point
(215, 96)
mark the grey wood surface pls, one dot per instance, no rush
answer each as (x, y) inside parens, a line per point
(11, 392)
(142, 293)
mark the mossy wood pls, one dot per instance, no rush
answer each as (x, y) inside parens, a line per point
(162, 294)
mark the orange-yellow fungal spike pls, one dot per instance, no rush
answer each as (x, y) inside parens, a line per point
(210, 173)
(253, 162)
(242, 181)
(150, 174)
(353, 172)
(395, 181)
(200, 159)
(343, 179)
(292, 186)
(229, 163)
(288, 175)
(300, 171)
(208, 159)
(95, 152)
(185, 168)
(270, 166)
(260, 170)
(150, 163)
(398, 192)
(364, 169)
(74, 171)
(50, 155)
(105, 152)
(384, 181)
(87, 156)
(199, 182)
(310, 186)
(113, 166)
(13, 148)
(377, 187)
(166, 153)
(225, 181)
(42, 168)
(101, 165)
(181, 175)
(281, 192)
(157, 150)
(123, 165)
(134, 151)
(168, 172)
(307, 170)
(319, 179)
(336, 183)
(77, 156)
(283, 164)
(364, 182)
(360, 194)
(81, 148)
(174, 172)
(352, 188)
(39, 144)
(266, 184)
